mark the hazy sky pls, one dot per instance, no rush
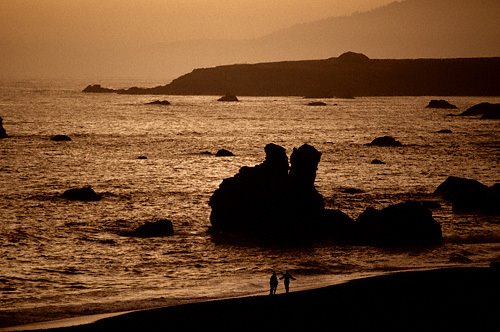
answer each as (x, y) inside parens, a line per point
(81, 38)
(98, 22)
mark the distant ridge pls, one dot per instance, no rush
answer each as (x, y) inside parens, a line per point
(350, 74)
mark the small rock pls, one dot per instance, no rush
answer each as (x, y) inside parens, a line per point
(228, 97)
(224, 153)
(60, 138)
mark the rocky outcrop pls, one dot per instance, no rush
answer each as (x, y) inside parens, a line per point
(228, 97)
(440, 103)
(385, 141)
(486, 110)
(97, 88)
(81, 194)
(403, 224)
(60, 138)
(163, 227)
(468, 195)
(3, 133)
(278, 202)
(271, 202)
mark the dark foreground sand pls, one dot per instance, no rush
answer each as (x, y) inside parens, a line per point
(453, 299)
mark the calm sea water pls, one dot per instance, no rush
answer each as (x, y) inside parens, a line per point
(63, 258)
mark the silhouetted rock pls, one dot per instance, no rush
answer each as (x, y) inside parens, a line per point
(403, 224)
(440, 103)
(377, 162)
(97, 88)
(142, 157)
(488, 109)
(228, 97)
(268, 202)
(81, 194)
(60, 138)
(468, 195)
(3, 133)
(444, 131)
(316, 103)
(159, 102)
(224, 153)
(385, 141)
(163, 227)
(277, 203)
(491, 115)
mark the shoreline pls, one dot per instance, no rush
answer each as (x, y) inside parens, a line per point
(450, 297)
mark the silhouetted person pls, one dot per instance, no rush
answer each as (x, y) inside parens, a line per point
(273, 283)
(287, 277)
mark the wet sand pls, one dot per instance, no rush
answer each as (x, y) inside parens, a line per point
(446, 299)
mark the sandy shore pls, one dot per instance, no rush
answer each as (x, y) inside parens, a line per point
(443, 299)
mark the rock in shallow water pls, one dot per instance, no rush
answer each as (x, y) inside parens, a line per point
(272, 203)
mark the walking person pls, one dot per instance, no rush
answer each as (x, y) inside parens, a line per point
(273, 283)
(287, 277)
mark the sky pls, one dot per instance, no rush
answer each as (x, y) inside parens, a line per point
(118, 37)
(100, 23)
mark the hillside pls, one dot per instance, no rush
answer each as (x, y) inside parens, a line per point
(351, 74)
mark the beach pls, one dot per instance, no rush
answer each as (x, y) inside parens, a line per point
(445, 299)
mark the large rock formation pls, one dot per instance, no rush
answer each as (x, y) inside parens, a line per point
(269, 202)
(275, 203)
(3, 133)
(468, 195)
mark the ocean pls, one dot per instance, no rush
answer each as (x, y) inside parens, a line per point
(67, 258)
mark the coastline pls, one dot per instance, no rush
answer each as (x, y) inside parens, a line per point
(442, 298)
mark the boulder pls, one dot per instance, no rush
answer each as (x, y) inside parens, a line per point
(163, 227)
(224, 153)
(404, 224)
(81, 194)
(491, 110)
(468, 195)
(3, 133)
(60, 138)
(228, 97)
(142, 157)
(377, 162)
(440, 103)
(385, 141)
